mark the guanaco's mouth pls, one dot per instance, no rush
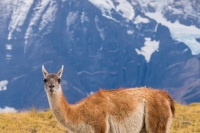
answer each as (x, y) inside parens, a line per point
(51, 91)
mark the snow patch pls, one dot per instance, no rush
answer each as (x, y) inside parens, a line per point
(157, 5)
(9, 46)
(183, 7)
(84, 18)
(185, 50)
(175, 11)
(180, 32)
(123, 8)
(101, 30)
(139, 19)
(38, 10)
(108, 17)
(130, 32)
(148, 49)
(3, 84)
(156, 27)
(8, 110)
(71, 18)
(49, 16)
(8, 57)
(45, 11)
(18, 17)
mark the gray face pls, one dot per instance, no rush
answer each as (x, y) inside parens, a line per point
(52, 83)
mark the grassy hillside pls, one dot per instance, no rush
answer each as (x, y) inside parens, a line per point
(186, 120)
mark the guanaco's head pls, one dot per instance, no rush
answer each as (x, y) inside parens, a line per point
(52, 81)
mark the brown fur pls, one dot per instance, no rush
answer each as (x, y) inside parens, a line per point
(104, 106)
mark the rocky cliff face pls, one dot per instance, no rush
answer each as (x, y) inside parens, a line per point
(103, 44)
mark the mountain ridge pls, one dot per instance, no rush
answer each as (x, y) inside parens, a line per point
(101, 45)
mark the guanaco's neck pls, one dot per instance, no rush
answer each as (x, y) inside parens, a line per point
(61, 109)
(58, 100)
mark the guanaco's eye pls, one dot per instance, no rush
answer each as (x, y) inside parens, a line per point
(45, 80)
(59, 80)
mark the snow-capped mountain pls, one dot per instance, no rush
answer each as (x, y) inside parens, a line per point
(102, 44)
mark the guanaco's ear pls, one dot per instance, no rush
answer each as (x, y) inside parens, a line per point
(60, 71)
(44, 71)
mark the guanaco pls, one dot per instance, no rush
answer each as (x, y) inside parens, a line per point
(133, 110)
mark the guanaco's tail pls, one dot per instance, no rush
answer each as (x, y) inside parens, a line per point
(172, 105)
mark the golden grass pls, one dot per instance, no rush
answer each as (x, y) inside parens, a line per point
(29, 122)
(186, 120)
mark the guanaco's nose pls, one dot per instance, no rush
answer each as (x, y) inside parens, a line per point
(51, 86)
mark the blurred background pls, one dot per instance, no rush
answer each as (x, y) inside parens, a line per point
(102, 44)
